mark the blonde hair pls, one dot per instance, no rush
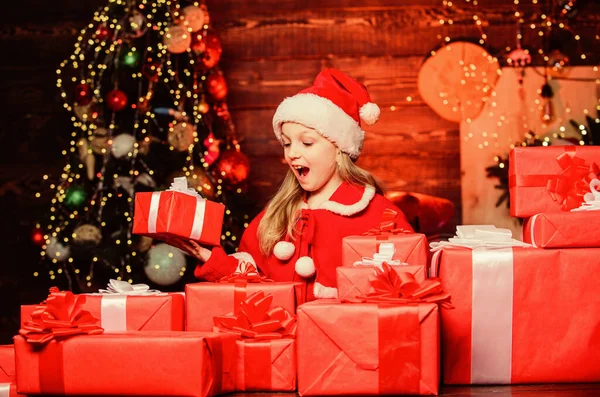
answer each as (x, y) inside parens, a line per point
(282, 210)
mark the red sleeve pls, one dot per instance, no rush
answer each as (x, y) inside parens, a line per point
(220, 264)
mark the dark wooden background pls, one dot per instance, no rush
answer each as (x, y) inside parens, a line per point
(272, 48)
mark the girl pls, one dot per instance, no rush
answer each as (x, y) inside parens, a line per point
(323, 198)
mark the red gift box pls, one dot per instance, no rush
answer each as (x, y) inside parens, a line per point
(367, 348)
(266, 350)
(550, 179)
(117, 313)
(204, 301)
(188, 364)
(563, 230)
(8, 386)
(353, 281)
(522, 315)
(161, 215)
(266, 365)
(410, 248)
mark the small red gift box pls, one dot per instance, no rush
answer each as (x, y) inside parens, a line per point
(409, 248)
(204, 301)
(550, 179)
(266, 349)
(189, 364)
(266, 365)
(8, 387)
(118, 313)
(367, 348)
(353, 281)
(522, 315)
(563, 229)
(179, 213)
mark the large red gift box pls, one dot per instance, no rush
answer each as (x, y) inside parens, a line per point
(353, 281)
(523, 315)
(577, 229)
(367, 348)
(117, 313)
(8, 386)
(169, 213)
(157, 363)
(410, 248)
(266, 365)
(204, 300)
(550, 179)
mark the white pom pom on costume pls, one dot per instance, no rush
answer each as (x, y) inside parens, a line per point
(369, 113)
(284, 250)
(305, 266)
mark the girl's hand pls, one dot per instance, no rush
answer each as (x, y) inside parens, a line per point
(190, 247)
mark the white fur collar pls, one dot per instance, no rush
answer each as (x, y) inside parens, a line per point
(346, 209)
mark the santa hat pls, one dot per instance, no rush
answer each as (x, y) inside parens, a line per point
(334, 106)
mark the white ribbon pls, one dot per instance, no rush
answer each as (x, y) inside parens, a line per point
(591, 199)
(5, 389)
(385, 254)
(474, 236)
(124, 288)
(179, 185)
(491, 299)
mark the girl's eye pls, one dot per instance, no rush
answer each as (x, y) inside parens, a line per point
(286, 145)
(308, 143)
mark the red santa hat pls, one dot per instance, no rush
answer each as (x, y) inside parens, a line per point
(334, 106)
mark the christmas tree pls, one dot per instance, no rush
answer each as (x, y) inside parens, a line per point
(148, 104)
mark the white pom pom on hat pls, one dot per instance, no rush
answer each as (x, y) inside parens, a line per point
(334, 106)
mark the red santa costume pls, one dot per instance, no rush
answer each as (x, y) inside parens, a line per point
(334, 106)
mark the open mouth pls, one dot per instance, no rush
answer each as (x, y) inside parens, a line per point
(301, 171)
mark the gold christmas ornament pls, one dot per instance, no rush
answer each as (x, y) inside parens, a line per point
(181, 136)
(87, 234)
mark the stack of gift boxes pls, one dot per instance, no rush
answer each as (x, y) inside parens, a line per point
(509, 311)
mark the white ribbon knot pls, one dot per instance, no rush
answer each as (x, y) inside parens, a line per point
(591, 199)
(385, 254)
(474, 236)
(117, 287)
(180, 185)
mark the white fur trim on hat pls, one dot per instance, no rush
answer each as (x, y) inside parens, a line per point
(324, 116)
(322, 292)
(284, 250)
(305, 266)
(369, 113)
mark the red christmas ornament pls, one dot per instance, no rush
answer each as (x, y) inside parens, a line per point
(233, 167)
(83, 94)
(198, 44)
(102, 33)
(116, 100)
(212, 53)
(37, 237)
(216, 86)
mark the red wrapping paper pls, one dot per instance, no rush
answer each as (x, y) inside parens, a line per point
(367, 348)
(187, 364)
(532, 168)
(553, 330)
(353, 281)
(142, 313)
(8, 387)
(204, 301)
(411, 248)
(175, 217)
(563, 230)
(266, 365)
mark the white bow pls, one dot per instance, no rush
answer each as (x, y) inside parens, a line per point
(180, 185)
(473, 236)
(591, 199)
(385, 254)
(124, 288)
